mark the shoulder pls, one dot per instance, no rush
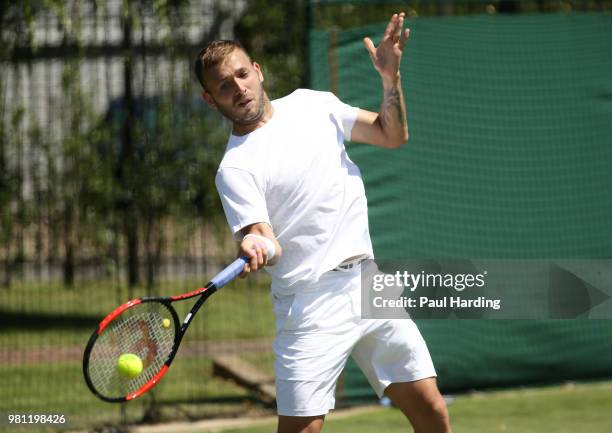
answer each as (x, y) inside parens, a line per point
(235, 180)
(306, 96)
(238, 153)
(225, 174)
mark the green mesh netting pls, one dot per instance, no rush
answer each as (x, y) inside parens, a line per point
(510, 156)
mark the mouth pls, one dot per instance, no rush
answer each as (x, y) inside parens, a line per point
(244, 103)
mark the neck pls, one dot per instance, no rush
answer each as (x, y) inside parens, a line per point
(245, 128)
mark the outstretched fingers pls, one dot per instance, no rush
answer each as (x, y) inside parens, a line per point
(399, 23)
(390, 30)
(386, 56)
(404, 39)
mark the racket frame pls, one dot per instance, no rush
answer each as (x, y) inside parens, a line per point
(204, 293)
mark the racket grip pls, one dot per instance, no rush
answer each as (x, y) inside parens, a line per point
(229, 273)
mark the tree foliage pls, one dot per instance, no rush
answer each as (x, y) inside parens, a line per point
(91, 191)
(275, 35)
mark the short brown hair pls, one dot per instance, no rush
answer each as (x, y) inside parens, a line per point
(214, 54)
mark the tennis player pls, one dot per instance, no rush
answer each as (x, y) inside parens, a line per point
(297, 205)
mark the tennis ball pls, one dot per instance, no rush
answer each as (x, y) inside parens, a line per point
(129, 365)
(166, 323)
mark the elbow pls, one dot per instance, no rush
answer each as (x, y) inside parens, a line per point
(397, 142)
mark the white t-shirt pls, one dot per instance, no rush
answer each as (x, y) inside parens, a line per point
(294, 174)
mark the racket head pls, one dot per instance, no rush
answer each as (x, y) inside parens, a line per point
(139, 327)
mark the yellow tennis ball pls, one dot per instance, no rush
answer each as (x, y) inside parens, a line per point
(166, 323)
(129, 365)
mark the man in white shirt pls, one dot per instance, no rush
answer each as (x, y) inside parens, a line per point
(296, 203)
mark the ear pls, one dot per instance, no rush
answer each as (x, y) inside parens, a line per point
(209, 99)
(258, 70)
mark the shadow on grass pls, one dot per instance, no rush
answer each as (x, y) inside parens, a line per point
(46, 321)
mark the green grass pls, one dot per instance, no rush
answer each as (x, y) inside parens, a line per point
(96, 299)
(581, 408)
(46, 317)
(40, 315)
(59, 388)
(264, 361)
(45, 328)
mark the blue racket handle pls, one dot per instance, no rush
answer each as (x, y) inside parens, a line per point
(229, 273)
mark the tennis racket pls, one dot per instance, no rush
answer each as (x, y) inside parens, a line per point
(149, 328)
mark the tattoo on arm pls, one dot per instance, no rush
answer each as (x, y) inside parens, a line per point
(392, 107)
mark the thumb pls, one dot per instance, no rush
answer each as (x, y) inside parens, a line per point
(370, 47)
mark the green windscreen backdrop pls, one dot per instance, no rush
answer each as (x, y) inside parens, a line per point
(510, 156)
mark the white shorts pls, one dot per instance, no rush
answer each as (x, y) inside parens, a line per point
(317, 330)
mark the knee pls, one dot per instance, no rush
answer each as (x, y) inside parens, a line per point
(433, 416)
(422, 404)
(297, 424)
(437, 408)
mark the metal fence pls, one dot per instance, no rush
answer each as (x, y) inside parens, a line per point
(96, 98)
(107, 162)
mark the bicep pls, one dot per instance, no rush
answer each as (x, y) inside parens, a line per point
(242, 198)
(368, 130)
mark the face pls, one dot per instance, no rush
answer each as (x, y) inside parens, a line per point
(235, 89)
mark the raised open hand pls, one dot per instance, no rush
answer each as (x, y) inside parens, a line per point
(387, 56)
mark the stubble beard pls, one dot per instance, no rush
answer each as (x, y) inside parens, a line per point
(247, 119)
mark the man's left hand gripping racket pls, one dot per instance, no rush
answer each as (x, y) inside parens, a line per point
(148, 328)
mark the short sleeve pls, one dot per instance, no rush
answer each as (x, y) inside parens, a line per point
(242, 198)
(344, 114)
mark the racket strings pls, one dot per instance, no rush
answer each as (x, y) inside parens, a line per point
(139, 330)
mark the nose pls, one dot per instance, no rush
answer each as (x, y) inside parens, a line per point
(239, 86)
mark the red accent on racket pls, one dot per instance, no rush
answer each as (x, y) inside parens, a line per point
(148, 328)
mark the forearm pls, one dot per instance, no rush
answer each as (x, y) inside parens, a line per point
(392, 116)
